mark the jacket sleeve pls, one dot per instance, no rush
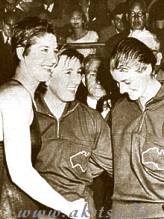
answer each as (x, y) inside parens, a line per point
(101, 158)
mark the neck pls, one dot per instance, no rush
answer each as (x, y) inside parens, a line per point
(152, 89)
(26, 80)
(56, 106)
(79, 32)
(94, 97)
(92, 102)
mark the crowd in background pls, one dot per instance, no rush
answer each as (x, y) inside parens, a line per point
(83, 21)
(90, 21)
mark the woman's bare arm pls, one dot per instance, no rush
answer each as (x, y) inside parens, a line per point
(17, 114)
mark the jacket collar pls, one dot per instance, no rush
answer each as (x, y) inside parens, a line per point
(157, 100)
(43, 108)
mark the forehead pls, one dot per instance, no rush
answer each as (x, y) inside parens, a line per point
(76, 14)
(47, 40)
(92, 64)
(69, 62)
(137, 6)
(120, 16)
(121, 76)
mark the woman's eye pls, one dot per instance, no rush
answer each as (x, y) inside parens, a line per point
(56, 51)
(127, 83)
(79, 72)
(92, 75)
(44, 50)
(68, 72)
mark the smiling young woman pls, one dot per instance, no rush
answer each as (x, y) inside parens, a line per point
(21, 187)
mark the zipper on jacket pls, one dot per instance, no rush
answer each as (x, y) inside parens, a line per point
(58, 127)
(142, 121)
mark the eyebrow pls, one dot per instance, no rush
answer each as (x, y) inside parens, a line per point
(125, 80)
(67, 68)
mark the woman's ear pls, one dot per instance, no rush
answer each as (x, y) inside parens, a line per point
(148, 69)
(20, 51)
(83, 79)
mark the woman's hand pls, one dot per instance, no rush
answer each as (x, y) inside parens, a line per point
(78, 209)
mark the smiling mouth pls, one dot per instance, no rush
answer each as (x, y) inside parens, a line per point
(72, 89)
(75, 24)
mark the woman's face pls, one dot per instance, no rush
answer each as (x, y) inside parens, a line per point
(42, 57)
(132, 82)
(76, 20)
(66, 79)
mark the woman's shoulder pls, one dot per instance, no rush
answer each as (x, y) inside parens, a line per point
(93, 34)
(14, 93)
(89, 36)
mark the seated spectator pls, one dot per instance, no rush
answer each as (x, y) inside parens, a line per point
(19, 7)
(80, 33)
(137, 20)
(117, 23)
(96, 13)
(136, 17)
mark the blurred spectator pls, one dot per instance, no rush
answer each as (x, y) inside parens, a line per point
(6, 56)
(27, 7)
(157, 21)
(80, 33)
(21, 8)
(117, 23)
(8, 22)
(112, 4)
(57, 8)
(137, 19)
(96, 12)
(157, 25)
(49, 5)
(137, 14)
(95, 85)
(9, 6)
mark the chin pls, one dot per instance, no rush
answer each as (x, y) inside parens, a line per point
(68, 99)
(133, 97)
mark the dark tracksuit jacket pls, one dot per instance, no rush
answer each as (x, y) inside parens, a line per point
(138, 145)
(67, 147)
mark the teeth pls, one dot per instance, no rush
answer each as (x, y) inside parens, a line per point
(72, 89)
(48, 67)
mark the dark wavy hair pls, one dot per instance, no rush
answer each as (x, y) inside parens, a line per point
(82, 14)
(70, 53)
(26, 31)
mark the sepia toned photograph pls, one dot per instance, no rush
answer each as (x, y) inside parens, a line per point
(82, 109)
